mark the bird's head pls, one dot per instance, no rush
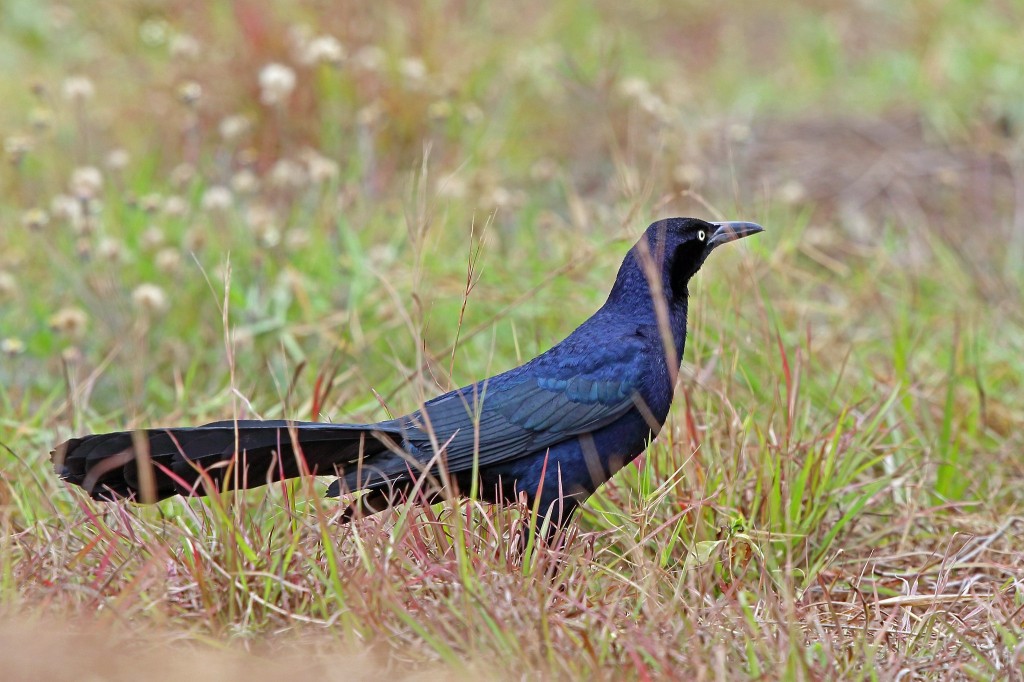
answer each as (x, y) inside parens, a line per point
(676, 248)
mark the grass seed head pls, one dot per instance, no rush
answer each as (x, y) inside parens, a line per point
(194, 239)
(41, 119)
(296, 239)
(370, 58)
(168, 261)
(323, 50)
(320, 168)
(149, 299)
(70, 322)
(175, 206)
(182, 174)
(12, 346)
(86, 182)
(35, 219)
(189, 93)
(8, 285)
(110, 250)
(792, 192)
(78, 89)
(233, 127)
(184, 46)
(117, 159)
(277, 82)
(245, 182)
(152, 238)
(288, 174)
(16, 148)
(217, 199)
(413, 70)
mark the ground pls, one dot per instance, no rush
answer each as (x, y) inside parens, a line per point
(336, 210)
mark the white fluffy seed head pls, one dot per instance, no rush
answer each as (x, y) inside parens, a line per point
(217, 198)
(70, 322)
(323, 50)
(78, 88)
(149, 298)
(86, 182)
(276, 84)
(233, 127)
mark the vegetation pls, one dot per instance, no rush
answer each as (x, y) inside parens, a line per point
(336, 210)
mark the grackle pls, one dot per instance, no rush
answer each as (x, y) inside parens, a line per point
(554, 429)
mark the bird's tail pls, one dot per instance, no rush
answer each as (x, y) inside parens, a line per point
(154, 464)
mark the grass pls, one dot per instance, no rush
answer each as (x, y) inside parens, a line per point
(837, 491)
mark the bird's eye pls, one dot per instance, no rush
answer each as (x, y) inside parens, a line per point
(700, 235)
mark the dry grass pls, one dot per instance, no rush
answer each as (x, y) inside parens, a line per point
(189, 233)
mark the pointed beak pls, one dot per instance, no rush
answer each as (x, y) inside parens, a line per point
(731, 231)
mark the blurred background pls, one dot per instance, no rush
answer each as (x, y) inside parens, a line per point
(331, 210)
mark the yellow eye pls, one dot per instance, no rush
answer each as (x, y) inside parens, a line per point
(700, 235)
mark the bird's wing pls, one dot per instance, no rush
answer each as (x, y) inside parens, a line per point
(523, 411)
(529, 416)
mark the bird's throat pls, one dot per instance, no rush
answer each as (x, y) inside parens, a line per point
(685, 262)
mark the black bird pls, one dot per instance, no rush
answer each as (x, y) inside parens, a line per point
(555, 428)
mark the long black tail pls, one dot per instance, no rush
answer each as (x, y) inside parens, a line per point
(155, 464)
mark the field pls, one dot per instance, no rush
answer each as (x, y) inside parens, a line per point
(334, 211)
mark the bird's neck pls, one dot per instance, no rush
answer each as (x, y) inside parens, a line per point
(637, 298)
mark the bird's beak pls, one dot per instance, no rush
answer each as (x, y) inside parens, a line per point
(731, 231)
